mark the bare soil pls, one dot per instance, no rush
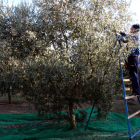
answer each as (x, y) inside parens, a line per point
(133, 106)
(16, 107)
(25, 107)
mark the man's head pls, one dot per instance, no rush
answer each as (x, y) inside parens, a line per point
(135, 28)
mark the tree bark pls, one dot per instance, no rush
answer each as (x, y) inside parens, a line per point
(72, 116)
(9, 95)
(10, 98)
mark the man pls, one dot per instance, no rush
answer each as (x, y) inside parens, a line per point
(133, 59)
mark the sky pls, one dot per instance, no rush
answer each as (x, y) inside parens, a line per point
(15, 2)
(135, 6)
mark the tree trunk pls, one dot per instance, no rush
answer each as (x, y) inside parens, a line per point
(9, 95)
(72, 117)
(10, 98)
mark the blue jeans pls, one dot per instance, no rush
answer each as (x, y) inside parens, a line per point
(133, 71)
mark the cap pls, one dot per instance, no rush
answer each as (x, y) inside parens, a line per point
(136, 26)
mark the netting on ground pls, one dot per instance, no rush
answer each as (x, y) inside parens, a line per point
(31, 127)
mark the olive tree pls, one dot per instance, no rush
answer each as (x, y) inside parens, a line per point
(78, 39)
(16, 43)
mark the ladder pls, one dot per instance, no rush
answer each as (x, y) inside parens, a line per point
(125, 102)
(118, 43)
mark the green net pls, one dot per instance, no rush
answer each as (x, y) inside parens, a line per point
(31, 127)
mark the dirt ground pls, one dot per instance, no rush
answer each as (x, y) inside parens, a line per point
(133, 106)
(24, 107)
(16, 107)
